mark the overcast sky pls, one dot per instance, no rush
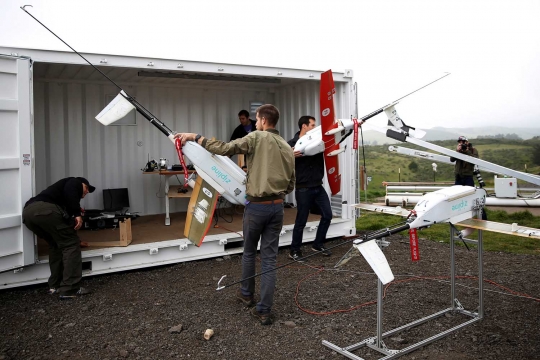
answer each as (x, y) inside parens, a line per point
(491, 48)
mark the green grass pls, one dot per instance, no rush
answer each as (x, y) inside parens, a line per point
(441, 232)
(383, 165)
(498, 146)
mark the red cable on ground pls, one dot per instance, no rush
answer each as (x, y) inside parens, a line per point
(392, 283)
(326, 312)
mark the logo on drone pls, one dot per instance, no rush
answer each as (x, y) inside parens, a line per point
(331, 170)
(326, 112)
(207, 192)
(460, 206)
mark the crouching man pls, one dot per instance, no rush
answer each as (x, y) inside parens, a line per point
(55, 216)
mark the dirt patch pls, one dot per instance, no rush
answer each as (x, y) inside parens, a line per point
(134, 314)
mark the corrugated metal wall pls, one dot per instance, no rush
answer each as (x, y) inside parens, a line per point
(70, 142)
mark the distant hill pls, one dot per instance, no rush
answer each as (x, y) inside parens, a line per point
(383, 166)
(440, 133)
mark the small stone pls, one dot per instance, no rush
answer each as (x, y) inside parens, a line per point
(474, 338)
(176, 329)
(289, 324)
(137, 350)
(399, 340)
(123, 353)
(219, 259)
(70, 325)
(227, 257)
(448, 315)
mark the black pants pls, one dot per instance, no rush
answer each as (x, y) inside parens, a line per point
(306, 198)
(46, 221)
(466, 180)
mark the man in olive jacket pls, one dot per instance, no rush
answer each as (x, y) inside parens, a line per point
(270, 163)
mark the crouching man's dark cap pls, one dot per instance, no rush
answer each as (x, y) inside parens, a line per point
(90, 187)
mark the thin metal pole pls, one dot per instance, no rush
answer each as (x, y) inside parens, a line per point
(380, 110)
(379, 342)
(480, 275)
(140, 108)
(434, 81)
(75, 51)
(452, 268)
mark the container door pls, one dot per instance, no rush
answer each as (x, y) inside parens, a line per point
(17, 244)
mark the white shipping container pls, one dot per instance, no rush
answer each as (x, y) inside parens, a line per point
(48, 104)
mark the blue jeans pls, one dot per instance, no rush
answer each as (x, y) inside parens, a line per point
(264, 222)
(305, 199)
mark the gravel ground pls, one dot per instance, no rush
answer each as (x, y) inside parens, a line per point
(162, 313)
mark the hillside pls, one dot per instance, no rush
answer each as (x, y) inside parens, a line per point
(382, 165)
(440, 133)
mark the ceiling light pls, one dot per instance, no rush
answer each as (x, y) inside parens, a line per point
(208, 77)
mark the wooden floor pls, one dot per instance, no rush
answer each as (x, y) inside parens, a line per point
(152, 228)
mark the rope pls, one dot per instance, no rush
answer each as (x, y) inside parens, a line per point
(395, 282)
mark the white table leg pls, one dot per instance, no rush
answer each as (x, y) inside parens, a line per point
(167, 218)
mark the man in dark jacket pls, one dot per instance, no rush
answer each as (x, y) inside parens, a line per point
(309, 192)
(463, 170)
(246, 125)
(55, 216)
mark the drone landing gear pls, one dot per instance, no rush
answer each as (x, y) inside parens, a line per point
(377, 343)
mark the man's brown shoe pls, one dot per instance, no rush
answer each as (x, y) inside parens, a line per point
(265, 319)
(249, 301)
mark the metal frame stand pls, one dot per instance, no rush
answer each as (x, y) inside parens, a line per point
(376, 343)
